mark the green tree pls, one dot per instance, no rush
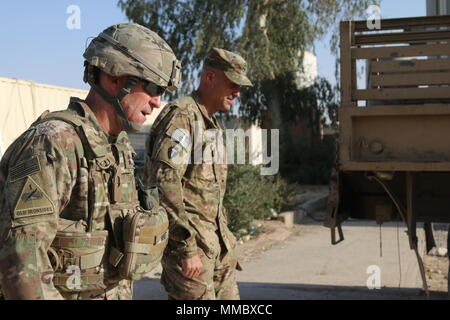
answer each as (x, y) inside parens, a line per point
(270, 34)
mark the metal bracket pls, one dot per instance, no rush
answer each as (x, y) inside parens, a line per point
(333, 235)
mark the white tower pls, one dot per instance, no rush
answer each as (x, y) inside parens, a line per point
(306, 77)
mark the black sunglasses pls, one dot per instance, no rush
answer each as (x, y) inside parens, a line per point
(153, 89)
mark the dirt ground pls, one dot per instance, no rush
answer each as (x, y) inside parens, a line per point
(437, 272)
(260, 279)
(276, 234)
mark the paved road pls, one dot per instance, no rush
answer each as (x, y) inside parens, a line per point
(309, 267)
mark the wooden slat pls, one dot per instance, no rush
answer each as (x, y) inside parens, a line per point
(401, 51)
(401, 23)
(402, 94)
(346, 63)
(394, 110)
(410, 79)
(394, 166)
(402, 37)
(410, 65)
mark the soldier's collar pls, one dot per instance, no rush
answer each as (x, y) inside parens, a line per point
(201, 107)
(82, 108)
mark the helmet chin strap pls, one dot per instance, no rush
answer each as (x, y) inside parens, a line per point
(127, 125)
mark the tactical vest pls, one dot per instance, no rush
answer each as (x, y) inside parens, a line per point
(124, 237)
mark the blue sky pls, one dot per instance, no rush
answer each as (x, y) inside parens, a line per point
(36, 44)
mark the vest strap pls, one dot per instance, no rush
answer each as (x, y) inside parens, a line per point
(91, 260)
(133, 247)
(115, 256)
(66, 241)
(61, 280)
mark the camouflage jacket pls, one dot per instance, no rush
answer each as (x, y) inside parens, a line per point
(186, 159)
(44, 188)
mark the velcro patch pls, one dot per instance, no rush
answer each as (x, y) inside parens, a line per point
(24, 168)
(182, 138)
(33, 201)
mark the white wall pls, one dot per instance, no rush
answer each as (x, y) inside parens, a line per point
(308, 75)
(1, 146)
(22, 101)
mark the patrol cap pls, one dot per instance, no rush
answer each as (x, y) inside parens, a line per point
(231, 63)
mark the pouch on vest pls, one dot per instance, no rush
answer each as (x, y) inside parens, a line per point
(144, 236)
(148, 196)
(77, 260)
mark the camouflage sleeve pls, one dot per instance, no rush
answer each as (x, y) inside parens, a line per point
(38, 178)
(165, 166)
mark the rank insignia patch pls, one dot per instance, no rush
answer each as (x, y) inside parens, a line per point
(32, 201)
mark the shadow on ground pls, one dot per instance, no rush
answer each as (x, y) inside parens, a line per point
(151, 289)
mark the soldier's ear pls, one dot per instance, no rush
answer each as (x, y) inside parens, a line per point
(111, 83)
(210, 77)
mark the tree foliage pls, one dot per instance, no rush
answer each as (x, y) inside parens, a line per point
(319, 99)
(270, 34)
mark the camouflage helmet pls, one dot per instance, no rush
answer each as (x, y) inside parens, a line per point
(129, 49)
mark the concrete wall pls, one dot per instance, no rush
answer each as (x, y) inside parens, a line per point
(23, 101)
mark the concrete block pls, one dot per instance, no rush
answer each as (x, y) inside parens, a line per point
(287, 218)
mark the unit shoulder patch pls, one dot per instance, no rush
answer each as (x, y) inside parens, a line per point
(33, 201)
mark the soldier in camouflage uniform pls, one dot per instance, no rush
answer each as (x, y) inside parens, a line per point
(190, 169)
(64, 178)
